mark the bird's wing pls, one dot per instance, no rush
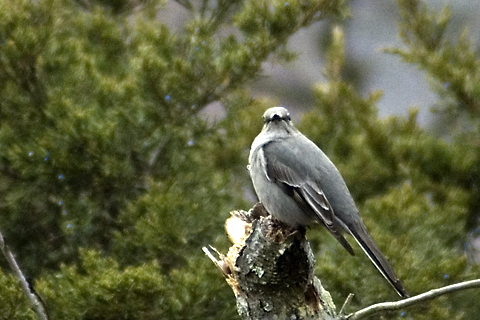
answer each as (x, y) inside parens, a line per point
(288, 168)
(307, 194)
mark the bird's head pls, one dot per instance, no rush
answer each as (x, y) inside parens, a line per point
(276, 114)
(277, 122)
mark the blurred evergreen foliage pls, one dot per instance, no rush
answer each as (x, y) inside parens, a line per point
(112, 180)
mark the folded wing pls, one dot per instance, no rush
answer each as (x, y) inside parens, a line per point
(308, 195)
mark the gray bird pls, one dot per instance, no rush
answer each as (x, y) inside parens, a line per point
(300, 186)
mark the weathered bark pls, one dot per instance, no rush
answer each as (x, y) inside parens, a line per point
(270, 269)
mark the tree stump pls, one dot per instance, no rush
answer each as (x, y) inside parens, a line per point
(270, 269)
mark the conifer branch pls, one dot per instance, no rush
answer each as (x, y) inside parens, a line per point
(186, 4)
(429, 295)
(37, 306)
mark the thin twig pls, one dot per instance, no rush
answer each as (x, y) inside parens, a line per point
(37, 306)
(429, 295)
(346, 303)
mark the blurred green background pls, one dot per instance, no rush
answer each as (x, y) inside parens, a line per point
(124, 140)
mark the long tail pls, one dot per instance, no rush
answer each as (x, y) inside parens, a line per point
(367, 244)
